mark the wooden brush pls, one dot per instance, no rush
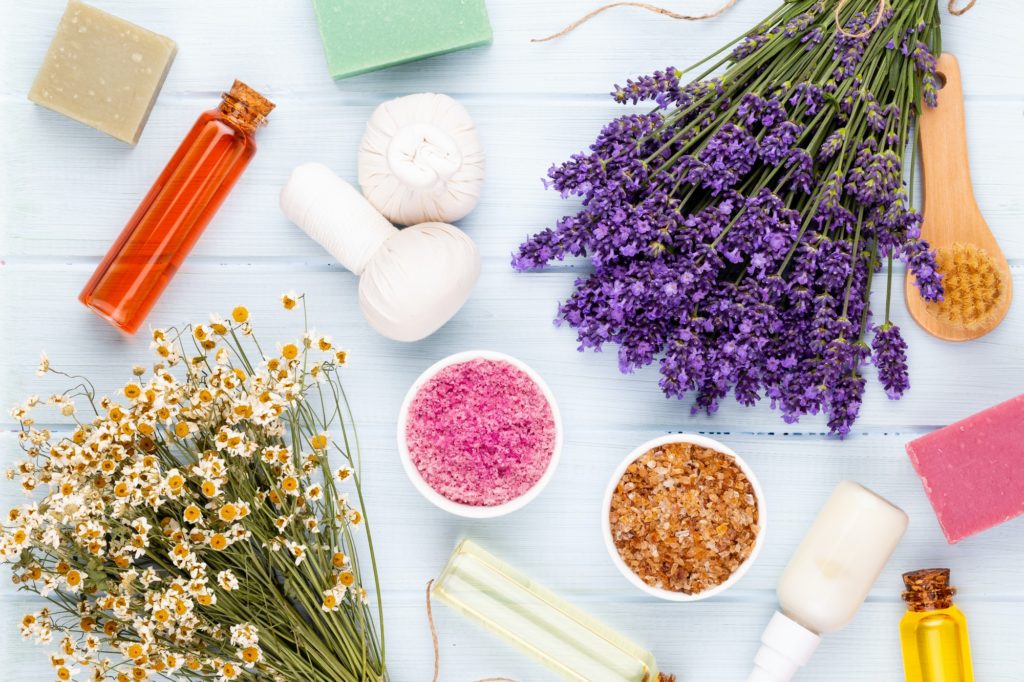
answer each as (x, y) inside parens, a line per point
(976, 276)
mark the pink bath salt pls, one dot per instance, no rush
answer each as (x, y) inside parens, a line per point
(481, 432)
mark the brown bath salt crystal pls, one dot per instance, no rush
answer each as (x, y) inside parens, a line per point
(684, 517)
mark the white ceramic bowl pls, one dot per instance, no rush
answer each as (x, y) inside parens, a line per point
(609, 542)
(468, 510)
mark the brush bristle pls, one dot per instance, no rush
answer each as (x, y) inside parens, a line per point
(972, 283)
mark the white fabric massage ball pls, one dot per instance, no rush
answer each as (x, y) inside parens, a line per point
(421, 160)
(411, 281)
(418, 280)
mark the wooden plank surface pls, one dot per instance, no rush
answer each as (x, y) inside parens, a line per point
(65, 191)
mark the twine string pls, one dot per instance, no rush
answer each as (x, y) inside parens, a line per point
(437, 648)
(883, 6)
(642, 5)
(960, 11)
(433, 632)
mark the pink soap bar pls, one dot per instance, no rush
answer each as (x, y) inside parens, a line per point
(973, 470)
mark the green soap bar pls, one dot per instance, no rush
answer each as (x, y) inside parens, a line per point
(366, 35)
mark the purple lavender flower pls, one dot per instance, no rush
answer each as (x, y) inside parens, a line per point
(799, 24)
(921, 262)
(728, 156)
(876, 118)
(775, 147)
(750, 108)
(811, 96)
(926, 64)
(812, 38)
(833, 143)
(749, 45)
(889, 354)
(661, 87)
(801, 173)
(551, 245)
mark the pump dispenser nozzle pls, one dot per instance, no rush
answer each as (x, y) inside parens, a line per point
(786, 646)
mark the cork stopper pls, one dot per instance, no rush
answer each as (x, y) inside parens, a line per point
(928, 589)
(973, 286)
(245, 107)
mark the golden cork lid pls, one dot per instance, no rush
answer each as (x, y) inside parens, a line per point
(246, 107)
(252, 100)
(928, 589)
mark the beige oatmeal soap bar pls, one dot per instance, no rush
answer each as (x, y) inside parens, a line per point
(103, 71)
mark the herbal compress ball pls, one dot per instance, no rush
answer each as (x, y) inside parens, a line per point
(421, 160)
(411, 281)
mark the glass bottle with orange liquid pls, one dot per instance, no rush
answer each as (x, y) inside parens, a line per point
(167, 223)
(934, 631)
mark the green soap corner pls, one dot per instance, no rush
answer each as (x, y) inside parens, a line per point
(366, 35)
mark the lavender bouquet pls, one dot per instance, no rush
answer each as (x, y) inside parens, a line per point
(736, 230)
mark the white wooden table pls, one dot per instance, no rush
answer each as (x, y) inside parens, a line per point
(66, 191)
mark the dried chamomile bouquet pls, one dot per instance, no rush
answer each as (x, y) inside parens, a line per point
(192, 528)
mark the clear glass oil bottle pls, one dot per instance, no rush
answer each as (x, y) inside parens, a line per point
(168, 222)
(542, 625)
(934, 631)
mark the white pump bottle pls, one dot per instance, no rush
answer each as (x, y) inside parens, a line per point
(828, 577)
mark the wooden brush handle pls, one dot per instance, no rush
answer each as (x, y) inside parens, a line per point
(953, 223)
(944, 164)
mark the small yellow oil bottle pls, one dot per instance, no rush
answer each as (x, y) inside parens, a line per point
(934, 630)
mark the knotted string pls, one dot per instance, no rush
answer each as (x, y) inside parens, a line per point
(437, 650)
(883, 5)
